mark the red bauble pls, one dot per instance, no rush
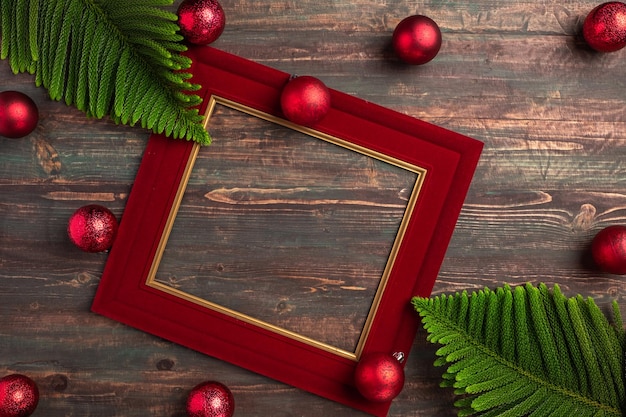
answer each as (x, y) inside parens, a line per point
(604, 28)
(201, 21)
(305, 100)
(416, 40)
(19, 396)
(608, 249)
(18, 114)
(92, 228)
(379, 377)
(210, 399)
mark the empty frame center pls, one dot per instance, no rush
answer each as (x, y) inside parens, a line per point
(320, 220)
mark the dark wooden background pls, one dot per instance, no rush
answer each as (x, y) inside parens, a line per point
(513, 74)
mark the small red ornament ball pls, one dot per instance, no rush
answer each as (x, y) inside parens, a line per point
(416, 40)
(305, 100)
(201, 22)
(19, 396)
(210, 399)
(604, 28)
(608, 249)
(18, 114)
(92, 228)
(379, 377)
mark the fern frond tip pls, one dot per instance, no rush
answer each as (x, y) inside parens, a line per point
(419, 302)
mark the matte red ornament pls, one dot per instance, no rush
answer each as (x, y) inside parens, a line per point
(416, 40)
(92, 228)
(604, 28)
(379, 377)
(19, 396)
(305, 100)
(210, 399)
(18, 114)
(608, 249)
(201, 22)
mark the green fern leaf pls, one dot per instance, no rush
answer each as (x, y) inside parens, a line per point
(117, 58)
(527, 351)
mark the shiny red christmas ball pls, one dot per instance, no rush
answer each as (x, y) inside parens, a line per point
(608, 249)
(305, 100)
(92, 228)
(210, 399)
(416, 40)
(604, 28)
(19, 396)
(379, 377)
(18, 114)
(201, 22)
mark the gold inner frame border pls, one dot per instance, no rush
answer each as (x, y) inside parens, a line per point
(153, 283)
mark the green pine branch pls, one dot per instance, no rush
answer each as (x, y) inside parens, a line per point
(120, 58)
(527, 351)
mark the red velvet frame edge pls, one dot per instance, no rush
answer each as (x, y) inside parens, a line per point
(122, 295)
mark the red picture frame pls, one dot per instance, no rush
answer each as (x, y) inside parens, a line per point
(441, 161)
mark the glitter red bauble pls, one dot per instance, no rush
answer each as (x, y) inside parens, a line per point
(305, 100)
(18, 114)
(379, 377)
(608, 249)
(201, 21)
(210, 399)
(92, 228)
(416, 40)
(19, 396)
(604, 28)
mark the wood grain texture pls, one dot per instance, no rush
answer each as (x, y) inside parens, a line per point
(513, 74)
(286, 228)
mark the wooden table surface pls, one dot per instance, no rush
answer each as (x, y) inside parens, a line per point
(512, 74)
